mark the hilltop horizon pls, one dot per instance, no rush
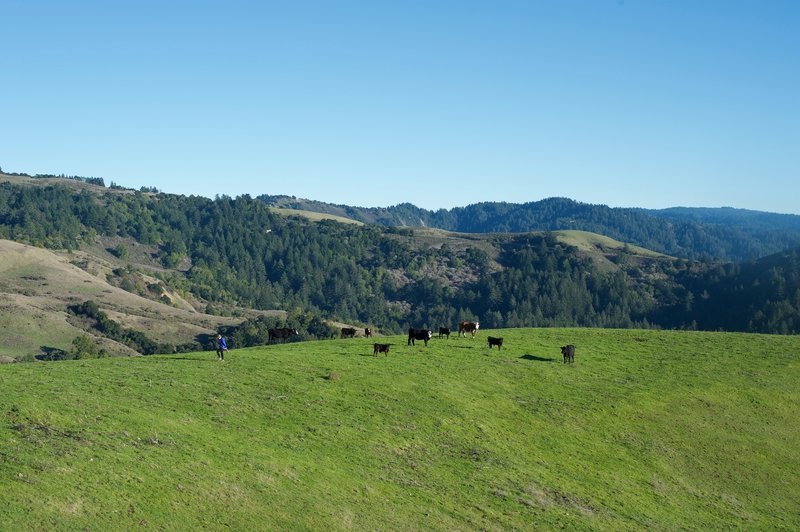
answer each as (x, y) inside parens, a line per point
(386, 205)
(527, 202)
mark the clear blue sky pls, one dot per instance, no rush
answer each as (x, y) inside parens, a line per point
(440, 103)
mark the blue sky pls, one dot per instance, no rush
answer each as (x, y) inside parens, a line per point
(439, 103)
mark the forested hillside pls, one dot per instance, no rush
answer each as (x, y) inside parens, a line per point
(723, 234)
(234, 251)
(761, 296)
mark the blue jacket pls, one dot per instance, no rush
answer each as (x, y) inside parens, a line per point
(221, 343)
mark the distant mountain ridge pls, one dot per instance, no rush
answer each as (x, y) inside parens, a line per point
(729, 215)
(721, 233)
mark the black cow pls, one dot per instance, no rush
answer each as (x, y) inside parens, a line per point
(282, 334)
(380, 348)
(348, 332)
(495, 341)
(367, 333)
(444, 331)
(468, 327)
(419, 334)
(569, 353)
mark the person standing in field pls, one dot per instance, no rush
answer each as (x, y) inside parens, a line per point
(222, 346)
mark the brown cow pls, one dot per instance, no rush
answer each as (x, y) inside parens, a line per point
(468, 327)
(380, 348)
(367, 333)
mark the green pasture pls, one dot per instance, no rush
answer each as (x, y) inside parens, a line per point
(647, 430)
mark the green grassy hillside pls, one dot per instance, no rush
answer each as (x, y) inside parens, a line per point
(648, 430)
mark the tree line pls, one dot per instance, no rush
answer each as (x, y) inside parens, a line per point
(242, 254)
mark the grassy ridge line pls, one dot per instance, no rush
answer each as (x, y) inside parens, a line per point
(586, 241)
(314, 216)
(648, 429)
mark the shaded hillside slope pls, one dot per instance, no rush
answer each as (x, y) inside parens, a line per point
(759, 296)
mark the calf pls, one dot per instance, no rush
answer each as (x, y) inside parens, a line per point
(569, 353)
(419, 334)
(444, 331)
(348, 332)
(495, 341)
(367, 333)
(380, 348)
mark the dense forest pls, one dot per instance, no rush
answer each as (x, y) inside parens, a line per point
(234, 251)
(722, 234)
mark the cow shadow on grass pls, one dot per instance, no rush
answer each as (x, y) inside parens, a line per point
(51, 353)
(190, 358)
(537, 359)
(207, 342)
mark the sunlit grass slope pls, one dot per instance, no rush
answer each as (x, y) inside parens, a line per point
(314, 216)
(648, 430)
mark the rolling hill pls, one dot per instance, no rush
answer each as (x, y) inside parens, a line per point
(37, 286)
(647, 430)
(227, 255)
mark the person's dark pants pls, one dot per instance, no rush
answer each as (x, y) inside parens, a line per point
(221, 354)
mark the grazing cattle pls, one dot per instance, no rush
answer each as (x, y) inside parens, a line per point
(282, 334)
(419, 334)
(380, 348)
(495, 341)
(444, 331)
(569, 353)
(468, 327)
(348, 332)
(367, 333)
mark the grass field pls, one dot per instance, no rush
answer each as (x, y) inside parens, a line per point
(648, 430)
